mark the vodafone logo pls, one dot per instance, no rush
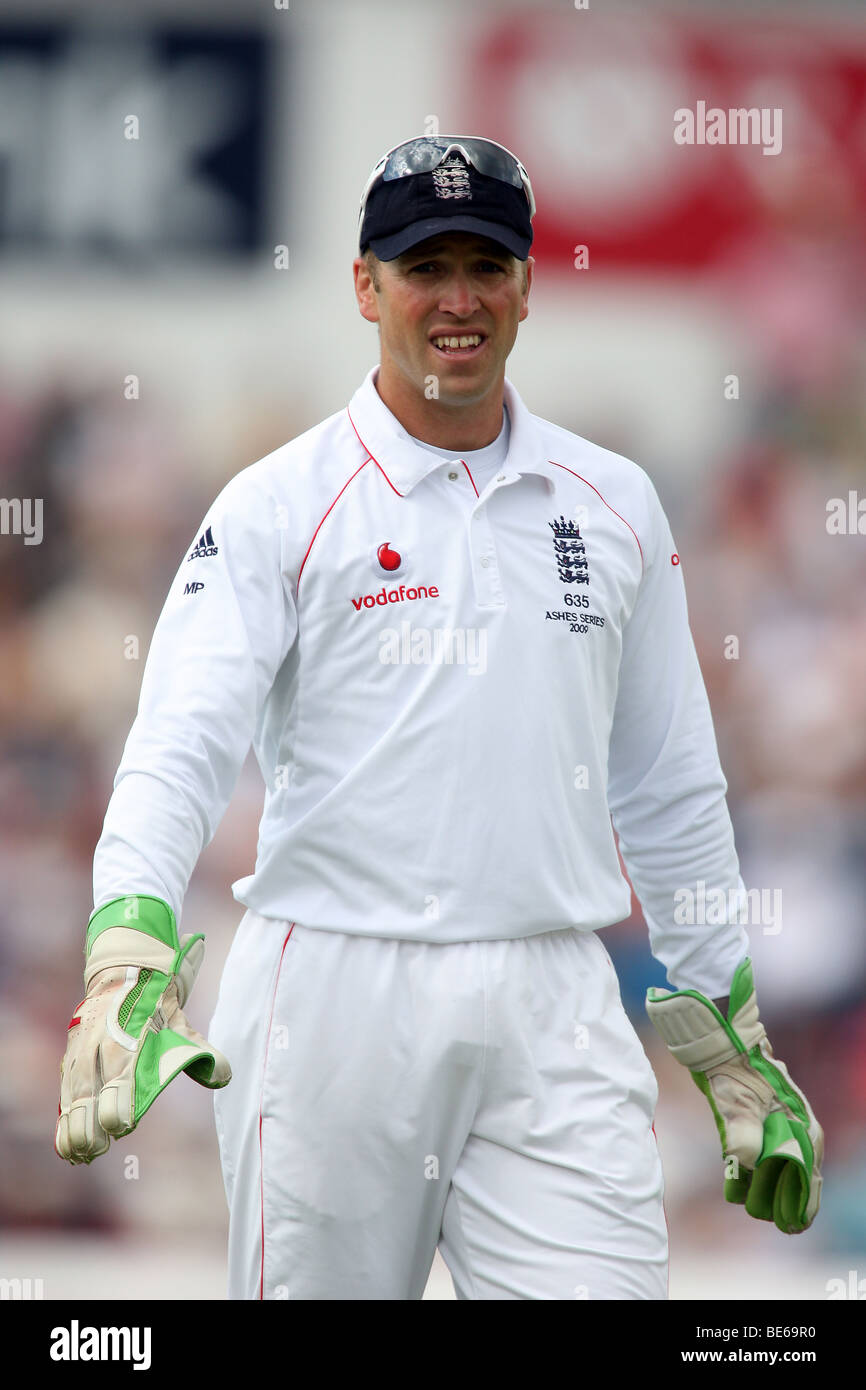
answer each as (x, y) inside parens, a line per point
(401, 595)
(392, 562)
(389, 560)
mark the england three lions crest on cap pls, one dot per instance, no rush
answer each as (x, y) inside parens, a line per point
(571, 562)
(451, 179)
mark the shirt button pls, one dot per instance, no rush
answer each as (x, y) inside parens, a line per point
(501, 478)
(485, 561)
(453, 476)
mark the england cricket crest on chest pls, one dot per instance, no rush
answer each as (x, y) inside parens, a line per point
(570, 552)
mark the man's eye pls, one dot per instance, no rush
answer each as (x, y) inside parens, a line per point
(422, 266)
(491, 265)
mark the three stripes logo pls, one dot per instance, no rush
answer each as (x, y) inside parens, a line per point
(204, 546)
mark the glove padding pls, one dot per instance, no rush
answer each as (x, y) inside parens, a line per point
(764, 1121)
(129, 1037)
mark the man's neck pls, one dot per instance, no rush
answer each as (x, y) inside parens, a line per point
(467, 426)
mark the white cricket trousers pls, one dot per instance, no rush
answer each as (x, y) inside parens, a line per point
(490, 1098)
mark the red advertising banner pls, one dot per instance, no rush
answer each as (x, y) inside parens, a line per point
(662, 141)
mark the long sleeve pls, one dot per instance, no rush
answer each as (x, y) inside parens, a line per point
(224, 631)
(666, 789)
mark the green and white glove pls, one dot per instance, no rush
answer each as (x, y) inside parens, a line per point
(772, 1144)
(129, 1038)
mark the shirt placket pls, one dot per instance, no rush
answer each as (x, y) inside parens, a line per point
(483, 555)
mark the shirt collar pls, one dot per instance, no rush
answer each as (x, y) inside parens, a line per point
(405, 463)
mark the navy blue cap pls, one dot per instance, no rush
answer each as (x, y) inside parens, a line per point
(453, 198)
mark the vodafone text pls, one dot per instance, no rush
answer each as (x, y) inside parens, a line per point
(386, 596)
(76, 1343)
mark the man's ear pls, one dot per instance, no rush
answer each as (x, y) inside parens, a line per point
(524, 308)
(364, 290)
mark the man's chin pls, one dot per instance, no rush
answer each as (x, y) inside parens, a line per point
(460, 387)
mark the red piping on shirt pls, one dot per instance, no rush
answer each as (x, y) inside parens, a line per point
(606, 503)
(372, 456)
(261, 1101)
(471, 479)
(330, 509)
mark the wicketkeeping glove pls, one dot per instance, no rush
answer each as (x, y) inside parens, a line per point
(129, 1038)
(765, 1123)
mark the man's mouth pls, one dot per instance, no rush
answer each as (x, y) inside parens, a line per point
(458, 344)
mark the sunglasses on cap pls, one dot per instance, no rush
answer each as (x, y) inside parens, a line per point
(426, 152)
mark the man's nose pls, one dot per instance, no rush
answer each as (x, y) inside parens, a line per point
(458, 297)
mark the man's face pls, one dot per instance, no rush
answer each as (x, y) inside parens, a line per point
(455, 285)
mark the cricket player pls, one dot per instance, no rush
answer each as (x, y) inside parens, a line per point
(456, 636)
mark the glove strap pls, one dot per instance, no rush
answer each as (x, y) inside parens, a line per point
(136, 912)
(139, 930)
(694, 1030)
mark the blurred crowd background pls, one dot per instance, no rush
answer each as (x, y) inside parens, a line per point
(155, 340)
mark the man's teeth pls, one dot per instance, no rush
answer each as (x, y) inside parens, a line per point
(470, 340)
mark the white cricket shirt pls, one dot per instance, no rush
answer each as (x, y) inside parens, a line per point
(481, 463)
(450, 686)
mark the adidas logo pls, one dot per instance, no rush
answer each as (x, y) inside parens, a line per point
(204, 546)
